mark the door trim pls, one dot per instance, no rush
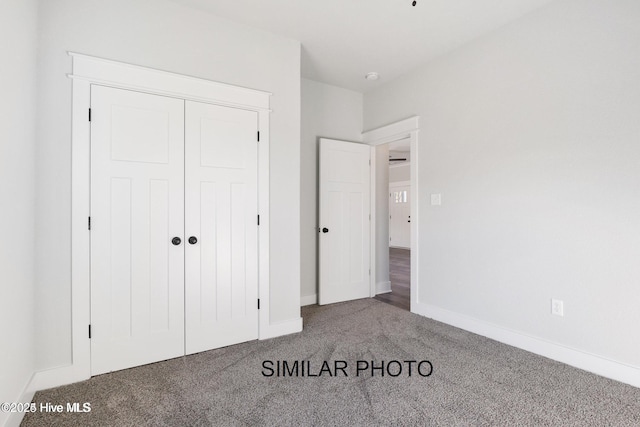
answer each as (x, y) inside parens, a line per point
(407, 128)
(88, 70)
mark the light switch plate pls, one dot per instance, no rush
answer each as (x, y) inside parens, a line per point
(557, 307)
(436, 199)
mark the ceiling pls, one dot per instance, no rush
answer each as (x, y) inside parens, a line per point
(342, 40)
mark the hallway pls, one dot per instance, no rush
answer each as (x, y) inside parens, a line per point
(400, 276)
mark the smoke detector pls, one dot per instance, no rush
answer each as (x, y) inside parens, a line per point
(372, 76)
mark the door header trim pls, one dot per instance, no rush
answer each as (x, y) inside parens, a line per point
(392, 132)
(134, 77)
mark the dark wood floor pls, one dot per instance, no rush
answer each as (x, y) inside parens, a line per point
(400, 276)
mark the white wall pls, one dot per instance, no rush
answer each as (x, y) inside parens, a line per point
(18, 32)
(400, 173)
(327, 112)
(532, 136)
(167, 36)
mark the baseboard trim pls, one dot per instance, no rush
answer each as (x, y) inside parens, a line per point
(15, 418)
(57, 377)
(308, 300)
(577, 358)
(383, 287)
(69, 374)
(282, 328)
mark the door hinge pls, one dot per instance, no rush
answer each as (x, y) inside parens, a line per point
(258, 136)
(258, 219)
(89, 114)
(89, 331)
(369, 272)
(369, 162)
(89, 223)
(258, 303)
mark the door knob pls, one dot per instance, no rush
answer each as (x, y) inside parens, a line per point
(193, 240)
(176, 241)
(325, 230)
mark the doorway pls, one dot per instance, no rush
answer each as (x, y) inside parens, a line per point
(400, 140)
(399, 225)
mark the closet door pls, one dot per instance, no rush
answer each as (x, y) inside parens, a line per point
(137, 208)
(221, 200)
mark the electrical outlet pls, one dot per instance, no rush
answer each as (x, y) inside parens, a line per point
(557, 307)
(436, 199)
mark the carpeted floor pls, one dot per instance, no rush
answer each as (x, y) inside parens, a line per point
(475, 381)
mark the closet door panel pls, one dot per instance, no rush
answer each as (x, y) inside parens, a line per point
(221, 176)
(137, 207)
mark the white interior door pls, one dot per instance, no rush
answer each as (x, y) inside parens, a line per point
(221, 160)
(344, 232)
(137, 207)
(400, 216)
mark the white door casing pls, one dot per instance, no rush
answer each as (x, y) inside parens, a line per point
(344, 227)
(137, 206)
(221, 197)
(403, 129)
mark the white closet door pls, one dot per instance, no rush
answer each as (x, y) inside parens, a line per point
(221, 161)
(344, 221)
(137, 207)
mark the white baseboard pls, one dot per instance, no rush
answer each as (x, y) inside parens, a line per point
(577, 358)
(281, 328)
(57, 377)
(15, 418)
(383, 287)
(308, 300)
(69, 374)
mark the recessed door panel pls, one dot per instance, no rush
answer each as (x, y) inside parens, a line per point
(159, 289)
(137, 206)
(215, 151)
(221, 203)
(140, 134)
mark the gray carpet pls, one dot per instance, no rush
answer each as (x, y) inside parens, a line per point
(475, 382)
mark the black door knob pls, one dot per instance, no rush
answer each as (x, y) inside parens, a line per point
(325, 230)
(176, 241)
(193, 240)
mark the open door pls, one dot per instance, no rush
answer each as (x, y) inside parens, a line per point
(344, 227)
